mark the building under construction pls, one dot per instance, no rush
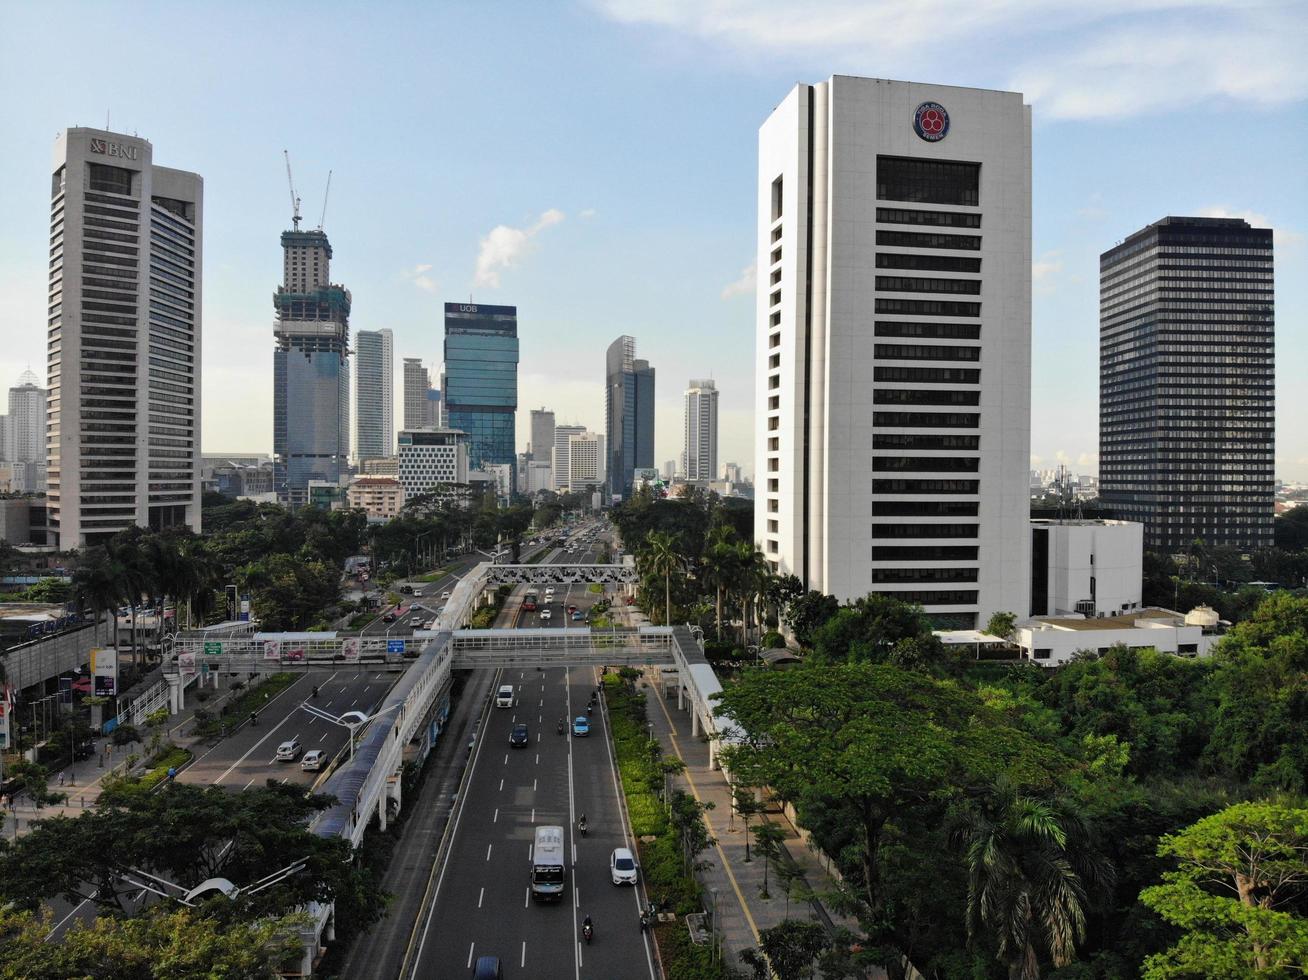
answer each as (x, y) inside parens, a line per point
(311, 369)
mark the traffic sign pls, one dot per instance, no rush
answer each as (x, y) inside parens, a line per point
(395, 646)
(213, 648)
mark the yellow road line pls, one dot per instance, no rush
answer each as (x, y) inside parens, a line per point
(726, 865)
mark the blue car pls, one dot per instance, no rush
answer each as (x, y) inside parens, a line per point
(580, 726)
(578, 616)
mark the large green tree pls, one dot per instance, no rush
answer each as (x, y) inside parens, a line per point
(160, 944)
(1238, 892)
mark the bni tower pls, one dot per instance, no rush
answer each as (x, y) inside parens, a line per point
(122, 427)
(893, 344)
(481, 379)
(311, 370)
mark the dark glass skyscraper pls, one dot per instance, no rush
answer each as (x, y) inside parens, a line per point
(628, 415)
(481, 379)
(1187, 382)
(311, 369)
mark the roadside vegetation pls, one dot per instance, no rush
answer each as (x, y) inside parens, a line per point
(248, 699)
(1110, 818)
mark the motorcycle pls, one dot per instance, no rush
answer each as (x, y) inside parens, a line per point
(254, 720)
(588, 930)
(315, 691)
(581, 826)
(644, 921)
(560, 728)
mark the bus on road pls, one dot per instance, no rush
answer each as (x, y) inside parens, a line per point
(529, 603)
(548, 872)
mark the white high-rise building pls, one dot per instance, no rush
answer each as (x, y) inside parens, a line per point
(123, 413)
(560, 458)
(374, 399)
(700, 451)
(585, 462)
(893, 348)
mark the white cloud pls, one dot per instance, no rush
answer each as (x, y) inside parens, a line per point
(1072, 59)
(418, 276)
(742, 286)
(1282, 235)
(1044, 269)
(504, 246)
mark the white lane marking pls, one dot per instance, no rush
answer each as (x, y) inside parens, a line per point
(501, 786)
(354, 702)
(526, 901)
(480, 895)
(533, 785)
(249, 784)
(77, 908)
(496, 818)
(524, 954)
(488, 850)
(506, 758)
(537, 758)
(327, 705)
(324, 736)
(471, 947)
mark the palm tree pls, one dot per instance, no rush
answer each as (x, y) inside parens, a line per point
(1030, 867)
(97, 584)
(750, 572)
(719, 558)
(661, 558)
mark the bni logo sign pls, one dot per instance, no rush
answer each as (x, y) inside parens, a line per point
(931, 122)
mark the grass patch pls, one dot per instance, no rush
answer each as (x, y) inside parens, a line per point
(435, 576)
(595, 587)
(238, 709)
(122, 788)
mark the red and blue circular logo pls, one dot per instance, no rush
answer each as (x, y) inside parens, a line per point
(931, 122)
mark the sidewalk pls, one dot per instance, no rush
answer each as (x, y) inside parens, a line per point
(738, 884)
(83, 780)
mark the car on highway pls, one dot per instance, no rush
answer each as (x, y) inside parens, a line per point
(580, 726)
(289, 750)
(519, 737)
(488, 968)
(546, 614)
(313, 760)
(445, 595)
(622, 867)
(578, 615)
(572, 607)
(388, 618)
(406, 589)
(504, 697)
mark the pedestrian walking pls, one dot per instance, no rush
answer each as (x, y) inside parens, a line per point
(61, 779)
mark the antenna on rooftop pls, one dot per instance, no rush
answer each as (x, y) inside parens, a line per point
(324, 200)
(295, 201)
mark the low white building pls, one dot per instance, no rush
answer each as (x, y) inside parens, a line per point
(1053, 640)
(1091, 568)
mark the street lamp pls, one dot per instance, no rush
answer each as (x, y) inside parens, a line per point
(353, 720)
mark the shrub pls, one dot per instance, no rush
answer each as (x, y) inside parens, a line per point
(773, 641)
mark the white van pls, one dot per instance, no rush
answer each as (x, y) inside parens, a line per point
(504, 696)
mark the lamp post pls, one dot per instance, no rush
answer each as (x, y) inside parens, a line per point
(352, 720)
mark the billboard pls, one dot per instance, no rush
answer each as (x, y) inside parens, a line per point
(104, 672)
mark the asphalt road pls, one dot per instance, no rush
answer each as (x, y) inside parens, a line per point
(247, 757)
(481, 904)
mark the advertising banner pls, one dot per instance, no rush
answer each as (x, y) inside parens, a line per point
(245, 608)
(186, 663)
(350, 647)
(272, 650)
(104, 672)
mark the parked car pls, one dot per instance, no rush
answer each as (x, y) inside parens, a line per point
(313, 760)
(289, 750)
(622, 867)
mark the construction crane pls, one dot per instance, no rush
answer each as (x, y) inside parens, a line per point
(324, 200)
(295, 201)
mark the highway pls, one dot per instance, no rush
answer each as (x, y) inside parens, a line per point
(248, 756)
(479, 901)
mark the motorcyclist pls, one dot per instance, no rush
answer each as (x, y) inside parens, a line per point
(561, 726)
(587, 928)
(315, 690)
(254, 719)
(581, 825)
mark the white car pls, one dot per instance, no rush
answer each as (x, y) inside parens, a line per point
(546, 614)
(289, 750)
(313, 760)
(622, 867)
(445, 595)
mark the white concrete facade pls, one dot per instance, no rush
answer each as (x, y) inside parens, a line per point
(122, 427)
(559, 458)
(430, 458)
(893, 344)
(585, 461)
(1095, 568)
(1050, 641)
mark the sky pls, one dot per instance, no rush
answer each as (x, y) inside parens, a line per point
(593, 162)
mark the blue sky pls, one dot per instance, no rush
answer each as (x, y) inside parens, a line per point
(594, 164)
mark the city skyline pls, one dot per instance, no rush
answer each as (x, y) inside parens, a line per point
(591, 228)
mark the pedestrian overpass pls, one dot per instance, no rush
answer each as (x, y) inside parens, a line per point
(370, 781)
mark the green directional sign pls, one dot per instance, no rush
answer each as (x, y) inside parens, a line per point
(213, 648)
